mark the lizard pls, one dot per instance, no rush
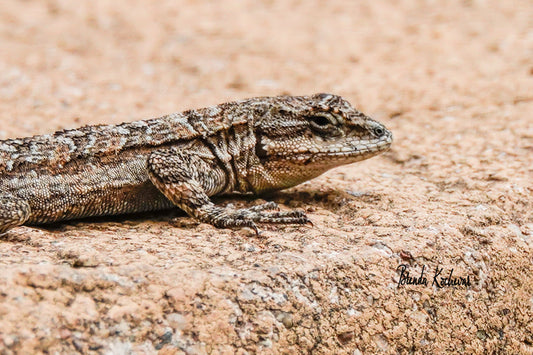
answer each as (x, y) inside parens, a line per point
(255, 145)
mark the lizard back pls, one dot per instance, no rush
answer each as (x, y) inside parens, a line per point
(57, 150)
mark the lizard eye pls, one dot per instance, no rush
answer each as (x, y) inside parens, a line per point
(378, 131)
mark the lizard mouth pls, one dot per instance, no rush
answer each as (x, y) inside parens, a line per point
(347, 151)
(351, 156)
(360, 150)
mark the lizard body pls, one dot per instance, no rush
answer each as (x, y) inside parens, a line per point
(255, 145)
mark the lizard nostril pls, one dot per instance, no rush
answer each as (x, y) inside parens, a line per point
(379, 131)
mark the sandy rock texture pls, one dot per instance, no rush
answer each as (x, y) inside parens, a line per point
(452, 79)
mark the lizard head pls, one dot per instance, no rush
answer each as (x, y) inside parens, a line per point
(301, 137)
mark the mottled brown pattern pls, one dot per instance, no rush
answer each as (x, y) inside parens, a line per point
(255, 145)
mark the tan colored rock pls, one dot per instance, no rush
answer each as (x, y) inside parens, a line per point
(452, 79)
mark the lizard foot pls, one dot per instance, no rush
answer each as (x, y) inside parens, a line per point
(248, 217)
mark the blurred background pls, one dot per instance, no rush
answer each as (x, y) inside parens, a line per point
(69, 62)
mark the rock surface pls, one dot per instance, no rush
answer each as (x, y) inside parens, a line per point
(452, 79)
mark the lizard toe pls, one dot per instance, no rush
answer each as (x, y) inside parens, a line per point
(265, 206)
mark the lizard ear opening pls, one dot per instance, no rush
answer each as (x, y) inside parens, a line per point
(319, 120)
(322, 123)
(260, 150)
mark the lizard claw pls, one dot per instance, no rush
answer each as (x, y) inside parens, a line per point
(250, 224)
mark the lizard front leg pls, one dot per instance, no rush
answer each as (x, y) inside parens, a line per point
(188, 179)
(14, 211)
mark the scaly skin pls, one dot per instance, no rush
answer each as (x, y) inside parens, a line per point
(255, 145)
